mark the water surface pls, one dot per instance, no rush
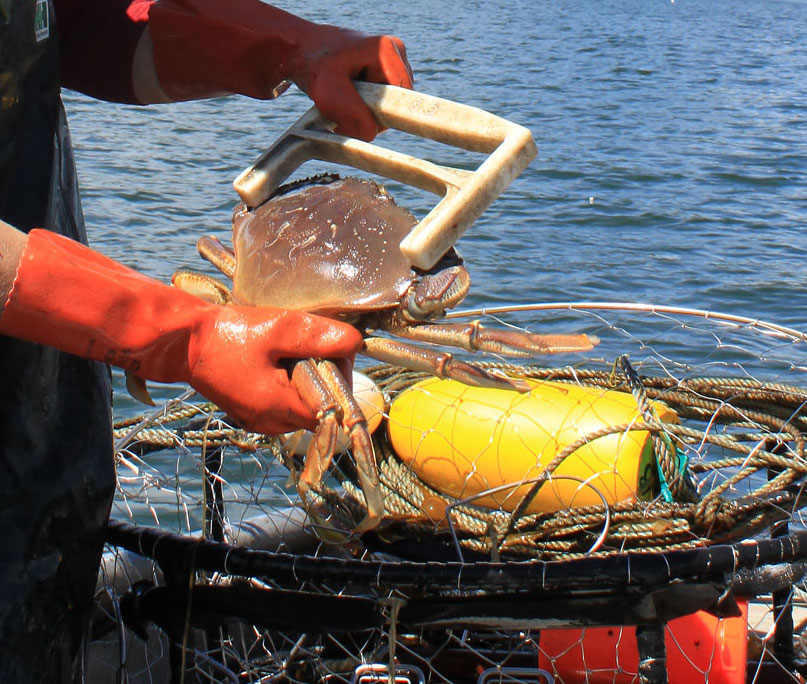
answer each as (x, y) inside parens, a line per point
(672, 136)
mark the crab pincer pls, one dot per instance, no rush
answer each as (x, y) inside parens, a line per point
(324, 390)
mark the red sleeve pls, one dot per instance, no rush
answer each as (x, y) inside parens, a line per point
(97, 40)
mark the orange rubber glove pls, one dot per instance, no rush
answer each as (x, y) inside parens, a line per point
(205, 47)
(69, 297)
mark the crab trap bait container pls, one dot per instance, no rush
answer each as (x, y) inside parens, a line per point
(700, 648)
(464, 441)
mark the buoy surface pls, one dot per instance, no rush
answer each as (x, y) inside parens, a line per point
(464, 441)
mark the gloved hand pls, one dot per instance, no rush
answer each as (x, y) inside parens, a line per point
(206, 47)
(69, 297)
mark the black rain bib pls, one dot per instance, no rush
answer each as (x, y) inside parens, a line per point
(56, 467)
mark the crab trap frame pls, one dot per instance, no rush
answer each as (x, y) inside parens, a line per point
(686, 567)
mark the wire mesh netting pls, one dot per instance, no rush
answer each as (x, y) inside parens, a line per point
(635, 516)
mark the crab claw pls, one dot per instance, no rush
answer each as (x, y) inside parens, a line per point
(355, 426)
(443, 288)
(313, 391)
(324, 389)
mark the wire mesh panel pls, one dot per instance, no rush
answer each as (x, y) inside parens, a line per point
(634, 516)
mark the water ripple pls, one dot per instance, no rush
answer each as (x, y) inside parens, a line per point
(671, 136)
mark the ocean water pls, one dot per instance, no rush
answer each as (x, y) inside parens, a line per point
(672, 150)
(672, 163)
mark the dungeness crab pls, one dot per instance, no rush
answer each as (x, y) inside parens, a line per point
(330, 246)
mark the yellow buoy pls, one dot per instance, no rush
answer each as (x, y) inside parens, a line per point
(463, 441)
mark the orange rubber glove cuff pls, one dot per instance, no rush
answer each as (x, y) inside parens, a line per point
(69, 297)
(206, 47)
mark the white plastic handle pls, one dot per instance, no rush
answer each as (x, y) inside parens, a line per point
(465, 194)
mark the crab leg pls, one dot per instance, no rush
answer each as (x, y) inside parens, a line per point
(474, 336)
(211, 249)
(441, 364)
(316, 395)
(324, 389)
(355, 426)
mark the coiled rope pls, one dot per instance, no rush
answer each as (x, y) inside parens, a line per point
(756, 429)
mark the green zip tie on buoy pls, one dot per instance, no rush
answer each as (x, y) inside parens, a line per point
(682, 460)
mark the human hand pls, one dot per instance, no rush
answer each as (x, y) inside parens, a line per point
(200, 48)
(332, 57)
(240, 359)
(69, 297)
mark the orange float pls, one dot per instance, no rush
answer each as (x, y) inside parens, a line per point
(701, 649)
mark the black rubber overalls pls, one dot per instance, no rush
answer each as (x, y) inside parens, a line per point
(56, 467)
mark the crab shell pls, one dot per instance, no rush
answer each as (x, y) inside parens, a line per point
(329, 248)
